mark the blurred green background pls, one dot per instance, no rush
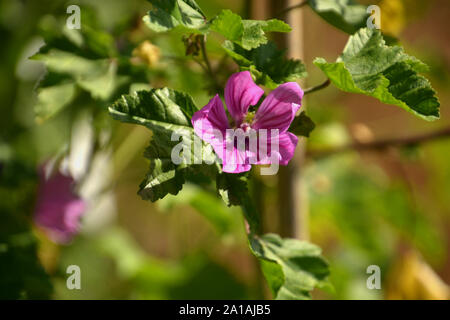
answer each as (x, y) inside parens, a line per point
(388, 208)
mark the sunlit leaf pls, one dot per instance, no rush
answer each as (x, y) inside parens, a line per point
(54, 96)
(165, 112)
(370, 67)
(99, 77)
(168, 14)
(346, 15)
(83, 59)
(249, 34)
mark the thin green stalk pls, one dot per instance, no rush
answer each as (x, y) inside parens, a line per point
(286, 10)
(318, 87)
(208, 64)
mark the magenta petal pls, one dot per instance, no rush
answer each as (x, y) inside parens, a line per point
(58, 209)
(235, 161)
(287, 144)
(73, 214)
(210, 124)
(279, 108)
(240, 93)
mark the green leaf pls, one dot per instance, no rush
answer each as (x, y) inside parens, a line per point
(292, 268)
(21, 274)
(387, 73)
(302, 125)
(346, 15)
(248, 34)
(163, 177)
(207, 204)
(78, 59)
(169, 14)
(157, 107)
(195, 6)
(233, 189)
(213, 209)
(255, 32)
(164, 112)
(99, 77)
(273, 25)
(267, 64)
(53, 94)
(229, 25)
(88, 42)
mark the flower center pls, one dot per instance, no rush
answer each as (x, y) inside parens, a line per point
(245, 127)
(249, 117)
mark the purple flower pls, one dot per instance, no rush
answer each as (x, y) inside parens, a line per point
(58, 209)
(275, 114)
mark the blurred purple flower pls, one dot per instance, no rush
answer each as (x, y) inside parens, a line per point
(58, 209)
(275, 114)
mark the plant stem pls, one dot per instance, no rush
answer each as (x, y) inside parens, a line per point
(318, 87)
(185, 60)
(208, 64)
(383, 144)
(286, 10)
(201, 65)
(292, 209)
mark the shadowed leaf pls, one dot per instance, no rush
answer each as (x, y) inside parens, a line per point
(292, 268)
(267, 64)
